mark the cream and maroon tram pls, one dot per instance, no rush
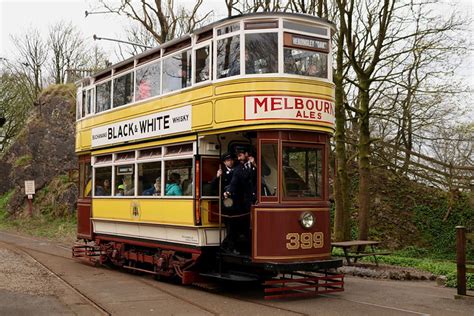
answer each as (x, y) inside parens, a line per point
(163, 118)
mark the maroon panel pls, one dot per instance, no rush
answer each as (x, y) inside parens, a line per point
(84, 223)
(279, 236)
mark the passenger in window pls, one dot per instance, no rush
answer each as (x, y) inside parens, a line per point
(173, 186)
(120, 190)
(103, 190)
(129, 189)
(312, 70)
(144, 89)
(155, 189)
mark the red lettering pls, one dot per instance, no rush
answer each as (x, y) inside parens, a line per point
(260, 104)
(327, 106)
(319, 116)
(276, 102)
(298, 104)
(298, 114)
(310, 104)
(312, 115)
(319, 106)
(287, 107)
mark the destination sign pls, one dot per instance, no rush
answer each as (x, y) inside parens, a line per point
(159, 124)
(320, 44)
(289, 107)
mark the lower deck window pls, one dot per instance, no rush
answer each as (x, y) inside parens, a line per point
(103, 179)
(149, 179)
(124, 180)
(179, 177)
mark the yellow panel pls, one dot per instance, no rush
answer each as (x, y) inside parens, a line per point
(229, 109)
(165, 211)
(202, 114)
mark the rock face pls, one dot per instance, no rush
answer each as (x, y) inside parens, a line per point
(45, 147)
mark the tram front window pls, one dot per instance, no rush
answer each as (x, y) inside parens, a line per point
(261, 53)
(306, 63)
(269, 169)
(228, 57)
(302, 172)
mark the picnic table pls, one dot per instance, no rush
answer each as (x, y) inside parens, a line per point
(355, 249)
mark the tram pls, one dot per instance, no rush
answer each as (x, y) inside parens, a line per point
(163, 119)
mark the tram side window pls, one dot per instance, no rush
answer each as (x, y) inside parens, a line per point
(102, 96)
(124, 180)
(149, 179)
(306, 63)
(261, 53)
(228, 57)
(269, 169)
(302, 172)
(88, 102)
(123, 90)
(177, 71)
(87, 191)
(209, 168)
(179, 177)
(148, 81)
(202, 64)
(103, 179)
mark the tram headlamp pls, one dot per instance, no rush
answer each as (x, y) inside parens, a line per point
(307, 220)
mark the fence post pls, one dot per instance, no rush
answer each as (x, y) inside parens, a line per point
(461, 259)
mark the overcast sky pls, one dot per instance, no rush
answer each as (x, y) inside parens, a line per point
(16, 16)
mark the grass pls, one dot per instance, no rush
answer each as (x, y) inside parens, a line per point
(419, 259)
(42, 225)
(23, 161)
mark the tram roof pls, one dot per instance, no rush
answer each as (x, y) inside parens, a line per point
(208, 27)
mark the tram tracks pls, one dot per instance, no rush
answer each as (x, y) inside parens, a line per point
(21, 251)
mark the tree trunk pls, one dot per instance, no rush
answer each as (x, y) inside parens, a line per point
(341, 192)
(364, 159)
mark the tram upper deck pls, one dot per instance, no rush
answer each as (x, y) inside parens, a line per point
(256, 71)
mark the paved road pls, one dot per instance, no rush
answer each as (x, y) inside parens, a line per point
(121, 293)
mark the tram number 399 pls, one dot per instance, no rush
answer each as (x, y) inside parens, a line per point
(304, 240)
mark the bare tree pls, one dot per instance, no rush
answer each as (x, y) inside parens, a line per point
(161, 19)
(67, 48)
(32, 54)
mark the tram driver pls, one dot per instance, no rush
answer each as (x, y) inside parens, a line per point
(242, 190)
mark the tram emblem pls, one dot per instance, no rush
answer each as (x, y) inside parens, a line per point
(135, 210)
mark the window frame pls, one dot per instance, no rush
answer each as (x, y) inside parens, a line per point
(322, 148)
(162, 158)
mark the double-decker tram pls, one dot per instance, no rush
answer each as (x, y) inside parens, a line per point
(150, 134)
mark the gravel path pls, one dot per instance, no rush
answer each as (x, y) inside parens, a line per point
(20, 274)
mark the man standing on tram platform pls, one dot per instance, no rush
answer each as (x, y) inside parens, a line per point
(242, 191)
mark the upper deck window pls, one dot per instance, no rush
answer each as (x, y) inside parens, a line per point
(305, 28)
(228, 29)
(102, 96)
(147, 81)
(123, 89)
(228, 57)
(203, 62)
(261, 53)
(261, 25)
(305, 55)
(177, 71)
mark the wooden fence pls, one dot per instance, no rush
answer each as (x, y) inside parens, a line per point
(463, 265)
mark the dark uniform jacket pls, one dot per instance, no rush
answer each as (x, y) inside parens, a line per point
(243, 187)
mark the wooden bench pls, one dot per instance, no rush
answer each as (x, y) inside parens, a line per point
(360, 250)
